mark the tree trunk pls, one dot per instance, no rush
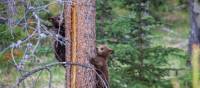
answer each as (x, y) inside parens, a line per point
(11, 12)
(80, 30)
(194, 39)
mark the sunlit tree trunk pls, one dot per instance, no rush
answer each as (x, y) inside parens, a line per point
(194, 39)
(80, 30)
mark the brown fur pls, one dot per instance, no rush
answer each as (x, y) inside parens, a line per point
(58, 26)
(100, 63)
(57, 21)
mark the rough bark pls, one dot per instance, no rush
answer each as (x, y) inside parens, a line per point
(67, 21)
(85, 43)
(194, 39)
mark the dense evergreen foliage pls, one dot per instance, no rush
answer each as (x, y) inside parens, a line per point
(134, 29)
(136, 63)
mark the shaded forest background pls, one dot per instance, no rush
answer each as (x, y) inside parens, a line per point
(149, 39)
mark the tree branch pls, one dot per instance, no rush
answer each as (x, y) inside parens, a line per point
(27, 74)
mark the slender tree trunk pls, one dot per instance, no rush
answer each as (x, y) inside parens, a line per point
(194, 39)
(80, 30)
(11, 12)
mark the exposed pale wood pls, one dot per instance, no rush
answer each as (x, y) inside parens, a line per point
(74, 45)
